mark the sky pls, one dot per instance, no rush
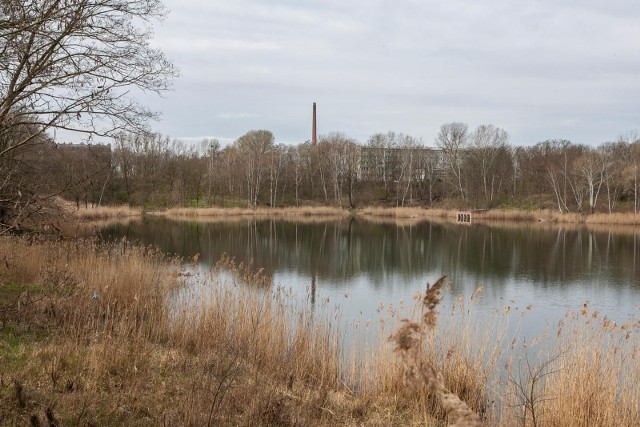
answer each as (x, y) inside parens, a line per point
(539, 69)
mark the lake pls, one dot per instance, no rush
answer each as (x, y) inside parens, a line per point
(363, 268)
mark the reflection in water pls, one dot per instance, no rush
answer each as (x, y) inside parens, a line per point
(346, 248)
(554, 268)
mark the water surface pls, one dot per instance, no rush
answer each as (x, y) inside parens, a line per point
(366, 267)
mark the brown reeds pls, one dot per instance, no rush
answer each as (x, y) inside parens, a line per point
(92, 213)
(589, 375)
(628, 218)
(303, 211)
(419, 372)
(103, 335)
(109, 335)
(405, 213)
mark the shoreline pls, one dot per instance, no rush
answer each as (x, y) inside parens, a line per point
(84, 324)
(515, 215)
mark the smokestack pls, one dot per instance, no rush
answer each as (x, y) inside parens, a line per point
(314, 135)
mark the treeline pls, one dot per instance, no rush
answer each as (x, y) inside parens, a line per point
(464, 168)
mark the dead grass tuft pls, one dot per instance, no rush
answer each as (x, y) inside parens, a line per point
(419, 373)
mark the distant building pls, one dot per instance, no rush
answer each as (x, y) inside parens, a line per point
(388, 164)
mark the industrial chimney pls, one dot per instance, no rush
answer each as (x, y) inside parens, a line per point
(314, 135)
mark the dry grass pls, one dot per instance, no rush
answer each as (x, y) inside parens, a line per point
(543, 215)
(406, 212)
(302, 211)
(157, 346)
(420, 372)
(96, 213)
(109, 335)
(93, 213)
(587, 374)
(493, 214)
(628, 218)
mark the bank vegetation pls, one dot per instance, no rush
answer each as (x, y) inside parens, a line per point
(112, 334)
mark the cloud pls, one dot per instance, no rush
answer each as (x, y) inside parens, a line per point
(198, 139)
(199, 45)
(408, 66)
(233, 116)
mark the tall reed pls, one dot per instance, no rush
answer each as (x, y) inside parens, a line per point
(117, 334)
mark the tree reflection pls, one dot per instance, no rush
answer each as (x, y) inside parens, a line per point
(337, 250)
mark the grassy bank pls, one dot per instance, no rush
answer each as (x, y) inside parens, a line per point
(103, 335)
(542, 215)
(88, 336)
(404, 213)
(98, 213)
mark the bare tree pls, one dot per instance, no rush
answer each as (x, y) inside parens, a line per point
(487, 143)
(558, 157)
(430, 165)
(635, 163)
(590, 168)
(295, 157)
(616, 156)
(408, 164)
(631, 171)
(277, 160)
(453, 139)
(352, 154)
(211, 148)
(254, 147)
(382, 145)
(72, 65)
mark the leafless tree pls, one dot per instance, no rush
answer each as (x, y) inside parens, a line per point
(615, 157)
(487, 143)
(408, 165)
(383, 144)
(590, 169)
(212, 149)
(295, 158)
(254, 147)
(72, 65)
(453, 140)
(559, 156)
(277, 160)
(631, 171)
(430, 165)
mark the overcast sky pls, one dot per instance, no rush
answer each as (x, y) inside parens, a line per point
(539, 69)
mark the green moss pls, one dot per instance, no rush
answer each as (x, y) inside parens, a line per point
(13, 348)
(10, 291)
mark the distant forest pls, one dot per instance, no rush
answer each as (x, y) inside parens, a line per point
(464, 168)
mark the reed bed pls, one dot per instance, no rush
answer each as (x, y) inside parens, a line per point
(586, 374)
(406, 212)
(628, 218)
(540, 215)
(303, 211)
(93, 335)
(93, 213)
(105, 335)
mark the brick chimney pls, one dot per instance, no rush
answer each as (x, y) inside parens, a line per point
(314, 135)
